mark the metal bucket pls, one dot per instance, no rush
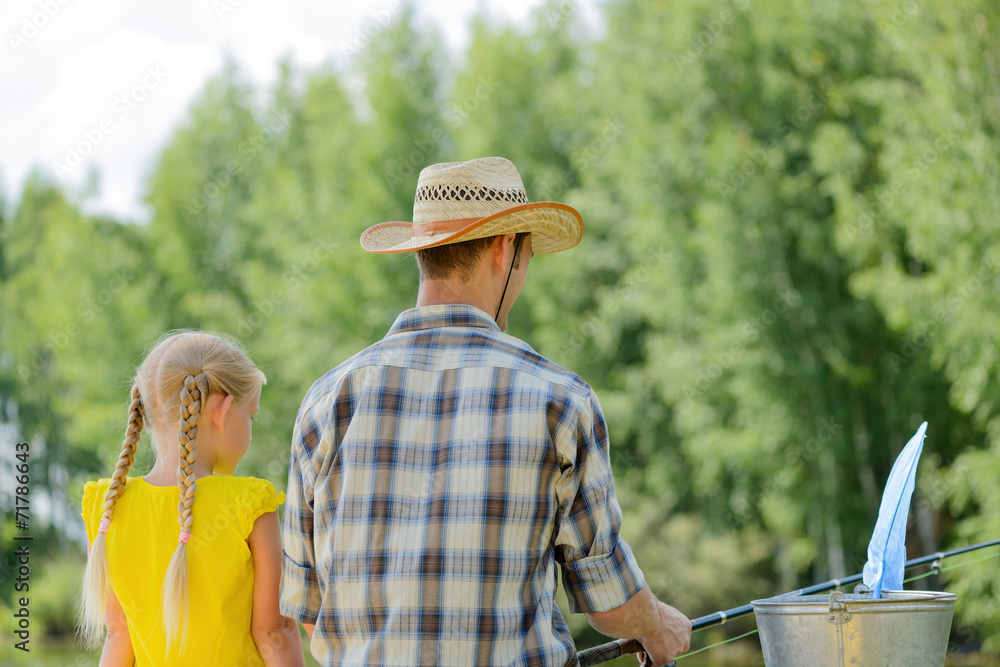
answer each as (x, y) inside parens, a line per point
(902, 629)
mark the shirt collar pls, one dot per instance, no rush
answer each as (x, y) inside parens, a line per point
(442, 315)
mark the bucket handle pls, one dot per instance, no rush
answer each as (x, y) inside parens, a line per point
(838, 608)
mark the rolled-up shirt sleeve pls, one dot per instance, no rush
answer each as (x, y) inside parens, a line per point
(599, 571)
(300, 591)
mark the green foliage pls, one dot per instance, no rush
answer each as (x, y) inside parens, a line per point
(790, 261)
(746, 346)
(75, 301)
(55, 596)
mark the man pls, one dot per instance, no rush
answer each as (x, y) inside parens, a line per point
(439, 477)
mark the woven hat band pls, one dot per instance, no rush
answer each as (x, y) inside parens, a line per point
(441, 227)
(478, 188)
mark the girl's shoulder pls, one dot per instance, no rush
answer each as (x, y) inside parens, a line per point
(92, 504)
(94, 493)
(92, 489)
(248, 488)
(249, 497)
(244, 498)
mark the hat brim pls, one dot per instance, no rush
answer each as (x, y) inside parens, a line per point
(553, 226)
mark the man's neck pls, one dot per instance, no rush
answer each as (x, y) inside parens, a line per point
(437, 292)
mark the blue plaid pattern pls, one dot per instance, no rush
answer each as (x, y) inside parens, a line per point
(437, 478)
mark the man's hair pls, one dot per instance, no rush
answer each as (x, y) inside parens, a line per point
(458, 258)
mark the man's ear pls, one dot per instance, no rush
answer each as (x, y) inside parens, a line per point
(217, 408)
(503, 249)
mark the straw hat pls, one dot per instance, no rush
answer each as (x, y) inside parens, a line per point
(461, 201)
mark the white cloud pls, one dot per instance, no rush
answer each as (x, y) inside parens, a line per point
(75, 67)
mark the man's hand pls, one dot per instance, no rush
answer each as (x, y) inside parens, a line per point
(671, 637)
(662, 630)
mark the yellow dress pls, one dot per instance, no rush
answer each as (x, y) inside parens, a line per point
(141, 540)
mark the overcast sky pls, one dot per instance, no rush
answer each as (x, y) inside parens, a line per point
(101, 84)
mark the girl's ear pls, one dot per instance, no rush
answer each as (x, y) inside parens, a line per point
(218, 407)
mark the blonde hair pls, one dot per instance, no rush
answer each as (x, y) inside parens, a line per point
(173, 382)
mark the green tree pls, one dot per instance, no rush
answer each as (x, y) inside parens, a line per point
(74, 300)
(74, 305)
(921, 228)
(746, 381)
(198, 193)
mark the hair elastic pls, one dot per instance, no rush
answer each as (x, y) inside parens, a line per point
(103, 528)
(183, 539)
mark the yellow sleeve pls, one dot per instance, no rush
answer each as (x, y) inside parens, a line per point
(260, 498)
(93, 505)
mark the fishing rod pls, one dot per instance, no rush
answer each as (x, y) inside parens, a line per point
(617, 649)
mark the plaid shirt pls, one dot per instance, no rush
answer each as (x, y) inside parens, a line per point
(436, 480)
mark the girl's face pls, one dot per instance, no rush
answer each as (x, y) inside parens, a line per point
(234, 439)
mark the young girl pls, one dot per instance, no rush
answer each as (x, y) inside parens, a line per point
(184, 563)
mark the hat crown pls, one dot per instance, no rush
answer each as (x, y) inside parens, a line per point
(461, 190)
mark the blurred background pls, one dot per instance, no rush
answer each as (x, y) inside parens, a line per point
(791, 256)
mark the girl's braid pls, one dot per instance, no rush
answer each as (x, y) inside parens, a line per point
(96, 583)
(193, 393)
(175, 594)
(127, 457)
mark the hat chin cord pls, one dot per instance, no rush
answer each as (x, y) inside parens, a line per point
(517, 246)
